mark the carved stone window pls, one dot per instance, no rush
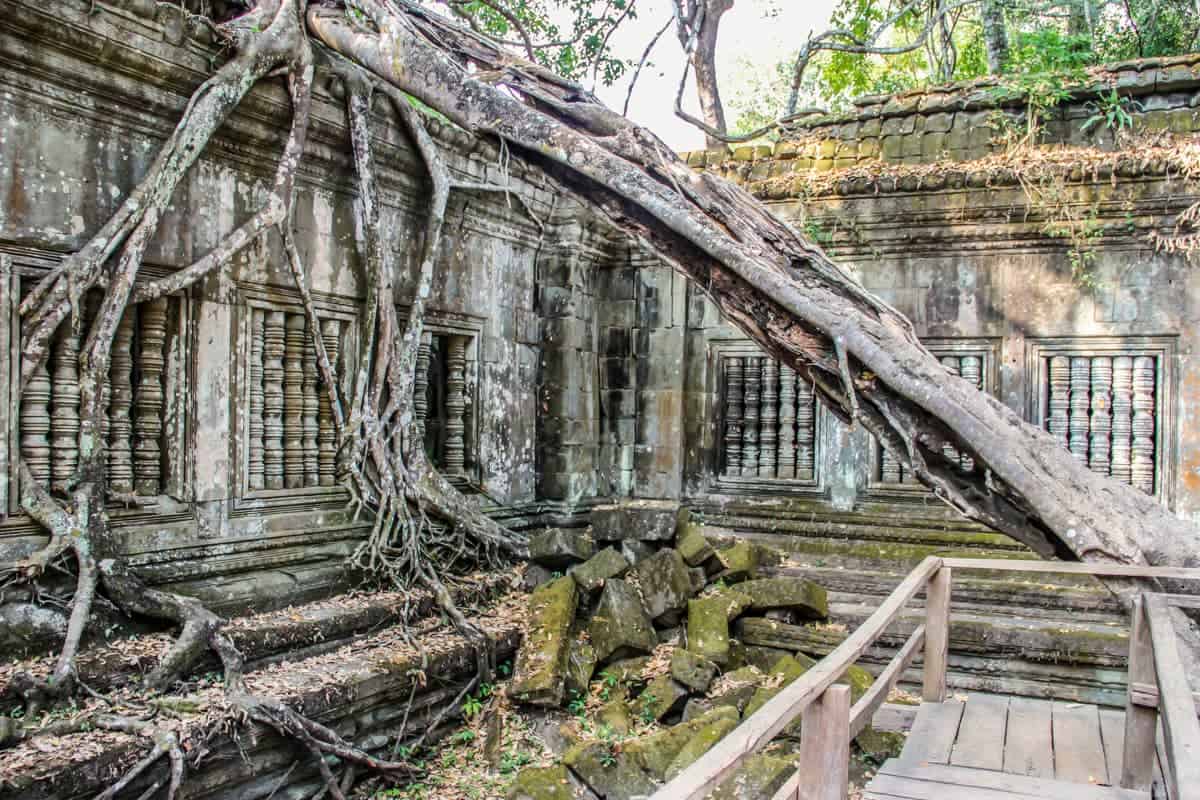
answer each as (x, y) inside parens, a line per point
(1106, 402)
(768, 421)
(971, 359)
(444, 401)
(144, 398)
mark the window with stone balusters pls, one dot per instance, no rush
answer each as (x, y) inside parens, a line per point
(768, 421)
(144, 398)
(444, 401)
(971, 359)
(1106, 401)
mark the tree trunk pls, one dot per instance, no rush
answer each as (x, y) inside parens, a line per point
(995, 35)
(781, 290)
(698, 35)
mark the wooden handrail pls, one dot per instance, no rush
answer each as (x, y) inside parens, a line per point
(705, 774)
(1181, 729)
(1073, 568)
(869, 703)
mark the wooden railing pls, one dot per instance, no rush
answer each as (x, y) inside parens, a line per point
(1157, 681)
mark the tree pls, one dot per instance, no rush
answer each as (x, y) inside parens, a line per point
(696, 25)
(863, 357)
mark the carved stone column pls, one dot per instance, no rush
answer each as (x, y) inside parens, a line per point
(1081, 379)
(421, 384)
(806, 430)
(311, 408)
(326, 432)
(734, 391)
(787, 423)
(257, 324)
(293, 402)
(148, 403)
(273, 400)
(1099, 444)
(750, 416)
(1142, 468)
(35, 424)
(971, 369)
(64, 404)
(1121, 466)
(120, 424)
(456, 405)
(1059, 403)
(768, 439)
(953, 364)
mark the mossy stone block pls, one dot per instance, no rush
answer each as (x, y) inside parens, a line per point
(541, 663)
(700, 744)
(660, 697)
(581, 663)
(692, 669)
(655, 752)
(692, 544)
(664, 582)
(786, 592)
(708, 628)
(592, 574)
(614, 774)
(615, 716)
(620, 626)
(734, 689)
(759, 776)
(739, 562)
(549, 783)
(556, 548)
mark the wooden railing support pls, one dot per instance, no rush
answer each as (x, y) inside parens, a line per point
(1181, 730)
(825, 746)
(1141, 721)
(937, 636)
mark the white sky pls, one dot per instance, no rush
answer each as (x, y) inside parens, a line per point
(761, 31)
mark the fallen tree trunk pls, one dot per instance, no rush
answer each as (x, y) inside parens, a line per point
(782, 291)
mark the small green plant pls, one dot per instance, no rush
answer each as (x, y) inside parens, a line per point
(465, 736)
(577, 705)
(472, 706)
(513, 760)
(649, 700)
(504, 668)
(1111, 112)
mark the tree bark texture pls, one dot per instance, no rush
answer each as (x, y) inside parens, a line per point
(995, 34)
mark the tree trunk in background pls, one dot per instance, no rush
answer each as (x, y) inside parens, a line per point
(704, 64)
(995, 35)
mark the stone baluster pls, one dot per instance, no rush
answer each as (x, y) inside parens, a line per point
(949, 451)
(257, 326)
(1142, 466)
(120, 423)
(421, 383)
(456, 405)
(889, 468)
(326, 431)
(293, 401)
(64, 404)
(734, 393)
(971, 369)
(148, 402)
(806, 430)
(750, 416)
(787, 423)
(1059, 401)
(35, 424)
(1079, 424)
(768, 439)
(312, 405)
(1122, 419)
(1100, 443)
(273, 400)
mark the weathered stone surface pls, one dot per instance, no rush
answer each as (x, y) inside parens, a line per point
(656, 752)
(620, 626)
(625, 671)
(581, 662)
(708, 629)
(760, 776)
(699, 579)
(635, 552)
(735, 688)
(660, 697)
(783, 672)
(692, 545)
(541, 661)
(535, 575)
(615, 716)
(692, 670)
(879, 745)
(591, 575)
(757, 656)
(786, 592)
(664, 582)
(644, 520)
(697, 707)
(614, 774)
(549, 783)
(558, 547)
(731, 600)
(700, 744)
(739, 562)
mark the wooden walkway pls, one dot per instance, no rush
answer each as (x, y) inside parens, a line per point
(993, 747)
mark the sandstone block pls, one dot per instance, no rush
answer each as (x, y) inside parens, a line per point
(655, 752)
(692, 544)
(614, 774)
(664, 582)
(558, 547)
(549, 783)
(790, 593)
(739, 562)
(643, 520)
(620, 626)
(581, 662)
(541, 663)
(735, 689)
(700, 744)
(692, 670)
(592, 574)
(660, 697)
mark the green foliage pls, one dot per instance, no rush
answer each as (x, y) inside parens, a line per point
(648, 700)
(1111, 112)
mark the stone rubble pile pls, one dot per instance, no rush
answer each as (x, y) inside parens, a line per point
(631, 623)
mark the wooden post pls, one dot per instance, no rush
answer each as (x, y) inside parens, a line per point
(937, 636)
(825, 746)
(1141, 721)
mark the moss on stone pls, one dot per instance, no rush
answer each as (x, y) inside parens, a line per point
(794, 594)
(760, 776)
(692, 669)
(655, 752)
(692, 544)
(708, 628)
(541, 662)
(547, 783)
(739, 562)
(700, 744)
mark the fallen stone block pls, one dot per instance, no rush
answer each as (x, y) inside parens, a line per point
(535, 575)
(654, 753)
(625, 671)
(541, 662)
(557, 548)
(692, 544)
(700, 744)
(735, 689)
(660, 697)
(581, 663)
(692, 670)
(760, 776)
(549, 783)
(643, 520)
(664, 583)
(708, 628)
(620, 626)
(793, 594)
(615, 774)
(592, 574)
(615, 716)
(636, 552)
(739, 562)
(697, 707)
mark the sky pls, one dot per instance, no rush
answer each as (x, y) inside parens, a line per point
(763, 32)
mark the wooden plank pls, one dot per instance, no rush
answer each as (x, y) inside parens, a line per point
(825, 746)
(1028, 744)
(1022, 785)
(1181, 729)
(937, 637)
(790, 790)
(894, 717)
(1072, 568)
(864, 710)
(892, 786)
(1078, 750)
(1112, 733)
(1141, 722)
(706, 773)
(933, 733)
(980, 741)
